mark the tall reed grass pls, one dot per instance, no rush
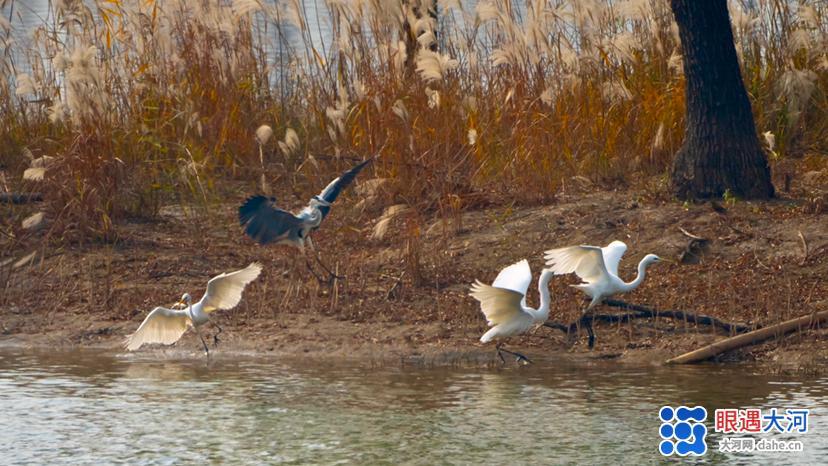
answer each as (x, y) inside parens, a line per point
(143, 101)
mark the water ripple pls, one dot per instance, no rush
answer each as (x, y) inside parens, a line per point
(86, 407)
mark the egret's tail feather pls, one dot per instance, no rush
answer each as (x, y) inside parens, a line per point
(489, 335)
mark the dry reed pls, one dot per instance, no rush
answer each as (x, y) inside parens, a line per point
(143, 102)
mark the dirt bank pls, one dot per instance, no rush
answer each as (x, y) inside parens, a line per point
(405, 297)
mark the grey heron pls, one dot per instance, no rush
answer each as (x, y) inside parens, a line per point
(598, 269)
(267, 224)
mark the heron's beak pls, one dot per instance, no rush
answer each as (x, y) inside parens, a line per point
(178, 303)
(669, 261)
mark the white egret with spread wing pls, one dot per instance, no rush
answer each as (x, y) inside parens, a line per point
(598, 269)
(166, 326)
(504, 304)
(268, 224)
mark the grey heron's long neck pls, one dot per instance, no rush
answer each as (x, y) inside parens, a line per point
(545, 299)
(315, 217)
(642, 272)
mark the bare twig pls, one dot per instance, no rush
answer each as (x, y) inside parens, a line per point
(392, 291)
(804, 248)
(335, 288)
(691, 235)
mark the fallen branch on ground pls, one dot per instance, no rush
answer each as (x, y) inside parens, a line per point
(20, 198)
(750, 338)
(642, 312)
(608, 318)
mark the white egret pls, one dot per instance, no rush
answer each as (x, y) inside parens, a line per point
(598, 269)
(504, 304)
(266, 223)
(166, 326)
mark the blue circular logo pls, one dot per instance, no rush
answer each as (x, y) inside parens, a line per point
(682, 430)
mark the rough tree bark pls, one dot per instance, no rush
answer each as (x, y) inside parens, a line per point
(721, 150)
(410, 35)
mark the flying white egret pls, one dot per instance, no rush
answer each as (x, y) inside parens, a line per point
(504, 304)
(166, 326)
(266, 223)
(598, 269)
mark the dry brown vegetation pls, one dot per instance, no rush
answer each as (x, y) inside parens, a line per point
(142, 103)
(141, 118)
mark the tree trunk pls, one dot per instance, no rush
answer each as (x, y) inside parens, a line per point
(721, 150)
(410, 35)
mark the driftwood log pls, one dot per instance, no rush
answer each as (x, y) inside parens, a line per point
(20, 198)
(750, 338)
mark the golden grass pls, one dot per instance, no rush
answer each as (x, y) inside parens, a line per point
(143, 101)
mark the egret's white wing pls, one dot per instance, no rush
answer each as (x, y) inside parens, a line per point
(516, 277)
(499, 305)
(162, 325)
(225, 291)
(585, 261)
(613, 253)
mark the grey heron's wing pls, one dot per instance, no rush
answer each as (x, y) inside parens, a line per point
(331, 192)
(613, 253)
(265, 223)
(225, 291)
(162, 325)
(499, 305)
(585, 261)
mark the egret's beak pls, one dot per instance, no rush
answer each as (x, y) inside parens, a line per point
(669, 261)
(179, 303)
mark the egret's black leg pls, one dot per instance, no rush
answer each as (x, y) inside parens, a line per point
(499, 354)
(586, 320)
(519, 356)
(203, 343)
(501, 350)
(591, 336)
(216, 336)
(206, 350)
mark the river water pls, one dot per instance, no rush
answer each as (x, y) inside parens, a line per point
(90, 407)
